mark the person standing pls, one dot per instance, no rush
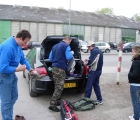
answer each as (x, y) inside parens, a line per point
(59, 56)
(95, 64)
(134, 80)
(11, 55)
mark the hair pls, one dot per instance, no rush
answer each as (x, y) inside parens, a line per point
(93, 45)
(67, 38)
(137, 51)
(23, 34)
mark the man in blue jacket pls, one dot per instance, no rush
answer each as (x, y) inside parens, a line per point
(11, 55)
(95, 64)
(59, 56)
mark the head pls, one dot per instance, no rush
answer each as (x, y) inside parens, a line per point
(22, 37)
(67, 39)
(136, 51)
(91, 45)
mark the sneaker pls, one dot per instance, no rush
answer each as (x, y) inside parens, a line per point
(131, 117)
(98, 102)
(55, 109)
(18, 117)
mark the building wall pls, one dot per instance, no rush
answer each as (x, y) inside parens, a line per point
(39, 31)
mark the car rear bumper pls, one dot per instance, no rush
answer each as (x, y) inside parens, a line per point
(48, 86)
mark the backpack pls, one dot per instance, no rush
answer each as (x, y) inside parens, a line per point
(83, 104)
(66, 111)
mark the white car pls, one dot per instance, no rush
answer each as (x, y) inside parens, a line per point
(103, 46)
(83, 46)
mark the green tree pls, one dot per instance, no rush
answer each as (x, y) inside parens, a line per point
(108, 11)
(136, 17)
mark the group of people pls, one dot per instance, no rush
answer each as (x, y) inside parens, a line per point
(11, 55)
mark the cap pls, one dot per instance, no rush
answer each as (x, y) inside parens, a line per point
(90, 43)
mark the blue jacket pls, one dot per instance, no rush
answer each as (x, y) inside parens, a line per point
(60, 54)
(93, 54)
(10, 56)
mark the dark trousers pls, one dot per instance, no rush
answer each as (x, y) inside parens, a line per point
(59, 79)
(135, 96)
(93, 81)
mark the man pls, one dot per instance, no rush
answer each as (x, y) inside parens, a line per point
(95, 64)
(59, 56)
(11, 55)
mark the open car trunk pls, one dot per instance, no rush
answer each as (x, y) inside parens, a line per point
(46, 48)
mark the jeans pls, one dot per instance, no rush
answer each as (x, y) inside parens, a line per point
(135, 96)
(8, 94)
(93, 81)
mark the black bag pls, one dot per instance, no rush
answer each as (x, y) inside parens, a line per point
(66, 111)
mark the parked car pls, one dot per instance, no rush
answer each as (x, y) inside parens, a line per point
(113, 45)
(127, 47)
(103, 46)
(32, 44)
(83, 46)
(38, 59)
(24, 47)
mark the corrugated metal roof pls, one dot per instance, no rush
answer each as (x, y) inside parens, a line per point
(38, 14)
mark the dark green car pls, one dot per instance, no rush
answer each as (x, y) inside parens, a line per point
(38, 59)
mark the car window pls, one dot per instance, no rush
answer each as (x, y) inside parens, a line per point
(102, 44)
(97, 44)
(133, 44)
(31, 55)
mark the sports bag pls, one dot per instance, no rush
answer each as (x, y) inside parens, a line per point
(66, 111)
(83, 104)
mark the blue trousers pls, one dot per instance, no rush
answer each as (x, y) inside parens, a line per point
(135, 96)
(93, 81)
(8, 94)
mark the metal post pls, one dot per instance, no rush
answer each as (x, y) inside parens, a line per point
(69, 17)
(119, 63)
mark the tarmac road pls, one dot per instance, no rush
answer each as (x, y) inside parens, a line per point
(116, 98)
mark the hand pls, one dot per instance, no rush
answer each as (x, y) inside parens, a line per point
(85, 60)
(72, 52)
(20, 68)
(34, 72)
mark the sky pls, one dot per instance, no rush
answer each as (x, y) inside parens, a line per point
(125, 8)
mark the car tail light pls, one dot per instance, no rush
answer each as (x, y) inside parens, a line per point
(41, 70)
(85, 71)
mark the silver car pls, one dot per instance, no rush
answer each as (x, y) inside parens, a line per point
(103, 46)
(83, 46)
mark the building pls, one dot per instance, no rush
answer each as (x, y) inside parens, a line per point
(88, 26)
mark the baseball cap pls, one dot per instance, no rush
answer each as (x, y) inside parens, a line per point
(90, 43)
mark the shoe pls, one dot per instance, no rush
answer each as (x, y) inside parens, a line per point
(98, 102)
(55, 109)
(131, 117)
(18, 117)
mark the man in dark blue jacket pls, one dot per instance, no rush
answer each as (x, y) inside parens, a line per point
(59, 56)
(95, 64)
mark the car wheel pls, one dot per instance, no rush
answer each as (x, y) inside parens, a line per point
(31, 92)
(24, 74)
(126, 51)
(107, 51)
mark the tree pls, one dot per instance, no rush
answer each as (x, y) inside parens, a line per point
(108, 11)
(136, 17)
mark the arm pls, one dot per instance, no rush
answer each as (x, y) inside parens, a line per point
(50, 56)
(23, 61)
(136, 71)
(6, 54)
(68, 53)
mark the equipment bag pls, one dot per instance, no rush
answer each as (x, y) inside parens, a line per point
(66, 111)
(83, 104)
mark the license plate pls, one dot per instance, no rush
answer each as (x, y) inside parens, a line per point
(69, 85)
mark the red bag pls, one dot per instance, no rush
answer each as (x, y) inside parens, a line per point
(66, 111)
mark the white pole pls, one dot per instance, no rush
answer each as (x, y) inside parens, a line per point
(119, 63)
(69, 18)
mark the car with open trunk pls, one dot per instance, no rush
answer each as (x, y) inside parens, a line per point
(38, 59)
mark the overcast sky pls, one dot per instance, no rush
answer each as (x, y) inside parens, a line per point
(120, 7)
